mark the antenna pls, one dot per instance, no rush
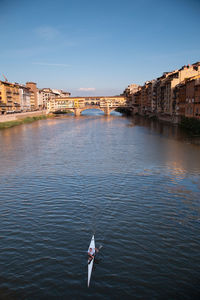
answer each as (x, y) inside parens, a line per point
(5, 77)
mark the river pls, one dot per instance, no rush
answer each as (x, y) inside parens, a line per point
(134, 182)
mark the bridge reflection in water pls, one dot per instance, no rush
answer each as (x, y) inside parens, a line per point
(79, 104)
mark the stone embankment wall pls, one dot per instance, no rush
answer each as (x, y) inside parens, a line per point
(161, 117)
(169, 119)
(19, 116)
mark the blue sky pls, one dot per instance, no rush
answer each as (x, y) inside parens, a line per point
(93, 47)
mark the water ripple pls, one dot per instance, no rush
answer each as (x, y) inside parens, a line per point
(139, 191)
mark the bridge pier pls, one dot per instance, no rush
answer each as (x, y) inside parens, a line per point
(77, 112)
(107, 111)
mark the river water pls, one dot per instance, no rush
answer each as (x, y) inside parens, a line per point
(134, 182)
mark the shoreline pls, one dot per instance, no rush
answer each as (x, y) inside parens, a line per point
(8, 121)
(189, 125)
(192, 127)
(9, 124)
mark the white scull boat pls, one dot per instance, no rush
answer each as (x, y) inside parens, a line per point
(90, 263)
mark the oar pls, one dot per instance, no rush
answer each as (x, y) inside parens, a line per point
(101, 246)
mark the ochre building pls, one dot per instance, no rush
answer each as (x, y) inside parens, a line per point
(9, 97)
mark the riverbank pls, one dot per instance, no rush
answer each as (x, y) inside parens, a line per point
(23, 115)
(190, 125)
(7, 121)
(9, 124)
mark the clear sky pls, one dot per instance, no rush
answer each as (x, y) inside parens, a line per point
(96, 47)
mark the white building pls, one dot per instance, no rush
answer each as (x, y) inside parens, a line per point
(46, 94)
(25, 98)
(61, 93)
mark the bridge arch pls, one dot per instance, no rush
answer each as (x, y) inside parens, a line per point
(113, 109)
(92, 107)
(63, 110)
(79, 104)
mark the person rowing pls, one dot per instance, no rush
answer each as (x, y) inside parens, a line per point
(91, 253)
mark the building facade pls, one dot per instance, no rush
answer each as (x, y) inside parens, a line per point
(34, 99)
(25, 98)
(60, 93)
(16, 97)
(192, 102)
(48, 95)
(9, 97)
(45, 95)
(173, 94)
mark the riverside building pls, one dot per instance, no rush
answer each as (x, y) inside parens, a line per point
(45, 95)
(34, 99)
(25, 98)
(9, 97)
(172, 95)
(192, 101)
(48, 95)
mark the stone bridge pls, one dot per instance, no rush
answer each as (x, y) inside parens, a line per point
(79, 104)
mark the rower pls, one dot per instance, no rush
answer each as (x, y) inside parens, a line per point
(91, 253)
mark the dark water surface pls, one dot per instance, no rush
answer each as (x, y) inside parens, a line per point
(135, 183)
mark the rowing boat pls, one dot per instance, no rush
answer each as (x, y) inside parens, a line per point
(90, 263)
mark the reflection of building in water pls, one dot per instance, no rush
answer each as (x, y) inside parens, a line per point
(170, 145)
(176, 170)
(179, 160)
